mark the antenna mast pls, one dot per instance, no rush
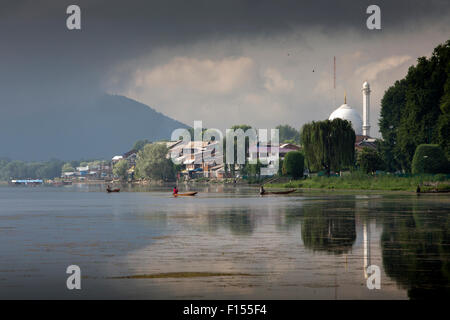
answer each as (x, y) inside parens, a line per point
(334, 81)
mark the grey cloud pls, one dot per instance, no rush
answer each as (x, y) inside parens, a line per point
(45, 66)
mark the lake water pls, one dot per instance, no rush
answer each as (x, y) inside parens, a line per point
(225, 243)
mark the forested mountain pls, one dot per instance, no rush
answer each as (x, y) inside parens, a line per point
(85, 128)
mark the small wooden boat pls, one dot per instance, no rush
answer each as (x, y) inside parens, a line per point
(277, 192)
(186, 194)
(109, 190)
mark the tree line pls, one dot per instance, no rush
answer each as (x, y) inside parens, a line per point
(15, 169)
(416, 111)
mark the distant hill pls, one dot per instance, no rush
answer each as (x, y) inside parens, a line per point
(99, 127)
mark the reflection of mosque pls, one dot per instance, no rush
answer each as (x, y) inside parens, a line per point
(333, 229)
(329, 229)
(414, 249)
(411, 248)
(366, 247)
(363, 207)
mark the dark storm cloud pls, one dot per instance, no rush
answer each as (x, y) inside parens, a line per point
(114, 29)
(42, 63)
(117, 29)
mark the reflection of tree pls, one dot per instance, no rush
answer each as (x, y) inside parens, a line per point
(239, 221)
(289, 218)
(328, 229)
(416, 253)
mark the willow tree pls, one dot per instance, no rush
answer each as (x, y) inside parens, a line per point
(328, 145)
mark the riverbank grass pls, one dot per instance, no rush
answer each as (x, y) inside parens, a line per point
(359, 181)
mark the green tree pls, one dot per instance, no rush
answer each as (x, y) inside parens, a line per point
(288, 134)
(67, 167)
(191, 132)
(293, 164)
(50, 169)
(30, 170)
(444, 120)
(244, 128)
(74, 163)
(252, 170)
(444, 133)
(369, 160)
(411, 109)
(329, 145)
(120, 169)
(138, 145)
(392, 105)
(429, 158)
(280, 166)
(152, 163)
(231, 167)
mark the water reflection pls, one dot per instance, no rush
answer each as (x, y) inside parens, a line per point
(241, 222)
(329, 227)
(302, 246)
(416, 252)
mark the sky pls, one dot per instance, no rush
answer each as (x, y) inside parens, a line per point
(262, 63)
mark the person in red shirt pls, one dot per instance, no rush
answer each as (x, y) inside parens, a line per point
(175, 190)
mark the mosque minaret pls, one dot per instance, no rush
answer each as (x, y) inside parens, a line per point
(366, 109)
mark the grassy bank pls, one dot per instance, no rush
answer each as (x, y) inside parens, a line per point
(358, 181)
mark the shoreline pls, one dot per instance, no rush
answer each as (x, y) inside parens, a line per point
(369, 191)
(399, 185)
(418, 184)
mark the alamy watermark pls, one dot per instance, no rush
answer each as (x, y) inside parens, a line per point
(374, 20)
(241, 147)
(73, 21)
(74, 280)
(373, 275)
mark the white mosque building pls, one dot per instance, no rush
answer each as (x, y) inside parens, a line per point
(345, 112)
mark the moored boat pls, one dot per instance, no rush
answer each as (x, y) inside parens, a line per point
(277, 192)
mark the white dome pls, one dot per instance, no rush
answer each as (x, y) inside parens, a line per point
(346, 112)
(366, 85)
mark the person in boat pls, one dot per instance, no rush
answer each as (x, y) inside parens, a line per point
(175, 190)
(108, 187)
(261, 190)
